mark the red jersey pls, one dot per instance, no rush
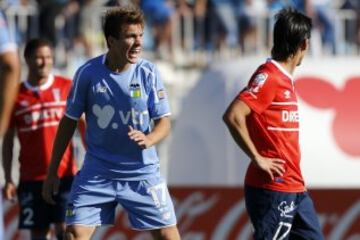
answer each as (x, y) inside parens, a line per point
(273, 126)
(36, 116)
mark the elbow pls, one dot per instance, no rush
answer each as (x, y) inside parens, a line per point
(228, 119)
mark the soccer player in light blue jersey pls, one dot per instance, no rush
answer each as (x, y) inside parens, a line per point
(121, 96)
(9, 79)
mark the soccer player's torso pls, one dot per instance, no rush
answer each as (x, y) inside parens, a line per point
(274, 127)
(115, 101)
(36, 116)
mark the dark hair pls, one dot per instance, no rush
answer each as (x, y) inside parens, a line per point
(116, 17)
(291, 29)
(34, 44)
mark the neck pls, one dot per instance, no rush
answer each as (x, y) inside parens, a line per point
(289, 64)
(114, 64)
(37, 81)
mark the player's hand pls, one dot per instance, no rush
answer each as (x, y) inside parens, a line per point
(274, 167)
(139, 137)
(10, 191)
(50, 188)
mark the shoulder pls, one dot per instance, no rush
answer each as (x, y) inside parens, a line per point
(265, 72)
(90, 66)
(146, 67)
(62, 81)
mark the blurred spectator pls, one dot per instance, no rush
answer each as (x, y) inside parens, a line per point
(323, 16)
(159, 14)
(352, 25)
(223, 23)
(249, 12)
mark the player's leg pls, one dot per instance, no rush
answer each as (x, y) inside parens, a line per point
(78, 232)
(271, 213)
(34, 211)
(91, 203)
(149, 207)
(306, 225)
(166, 233)
(58, 210)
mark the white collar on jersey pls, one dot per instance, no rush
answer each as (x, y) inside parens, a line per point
(283, 70)
(43, 86)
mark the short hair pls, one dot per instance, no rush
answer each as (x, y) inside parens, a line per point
(116, 17)
(291, 29)
(34, 44)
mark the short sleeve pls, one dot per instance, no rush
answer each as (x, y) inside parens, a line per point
(6, 43)
(260, 91)
(158, 103)
(76, 100)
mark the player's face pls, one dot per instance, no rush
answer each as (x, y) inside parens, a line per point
(41, 62)
(129, 44)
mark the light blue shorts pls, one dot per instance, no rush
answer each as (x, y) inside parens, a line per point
(93, 200)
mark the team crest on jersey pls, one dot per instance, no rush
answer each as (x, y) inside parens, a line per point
(258, 82)
(135, 90)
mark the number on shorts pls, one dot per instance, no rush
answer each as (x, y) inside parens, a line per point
(158, 194)
(282, 225)
(28, 216)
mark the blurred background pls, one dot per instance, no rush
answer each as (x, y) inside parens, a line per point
(206, 51)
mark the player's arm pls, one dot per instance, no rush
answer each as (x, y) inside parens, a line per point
(64, 134)
(161, 129)
(235, 120)
(9, 82)
(7, 156)
(81, 126)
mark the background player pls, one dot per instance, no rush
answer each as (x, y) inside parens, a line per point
(120, 95)
(264, 122)
(38, 108)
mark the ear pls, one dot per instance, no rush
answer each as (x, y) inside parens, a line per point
(110, 41)
(305, 45)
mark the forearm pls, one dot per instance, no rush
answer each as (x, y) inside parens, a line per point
(9, 82)
(64, 134)
(160, 131)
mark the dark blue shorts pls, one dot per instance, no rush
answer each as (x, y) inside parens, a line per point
(280, 215)
(35, 213)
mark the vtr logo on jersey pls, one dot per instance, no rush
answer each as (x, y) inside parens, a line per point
(105, 116)
(258, 82)
(53, 113)
(289, 116)
(321, 94)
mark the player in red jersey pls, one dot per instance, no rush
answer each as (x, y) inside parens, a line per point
(38, 108)
(263, 120)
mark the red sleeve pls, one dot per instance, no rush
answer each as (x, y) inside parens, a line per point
(260, 91)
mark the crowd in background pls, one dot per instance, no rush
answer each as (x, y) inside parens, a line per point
(186, 26)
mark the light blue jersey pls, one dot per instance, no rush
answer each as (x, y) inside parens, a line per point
(6, 43)
(112, 102)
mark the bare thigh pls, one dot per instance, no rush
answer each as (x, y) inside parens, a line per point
(168, 233)
(79, 232)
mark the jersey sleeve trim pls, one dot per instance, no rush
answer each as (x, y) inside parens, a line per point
(71, 117)
(9, 47)
(249, 104)
(76, 81)
(161, 116)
